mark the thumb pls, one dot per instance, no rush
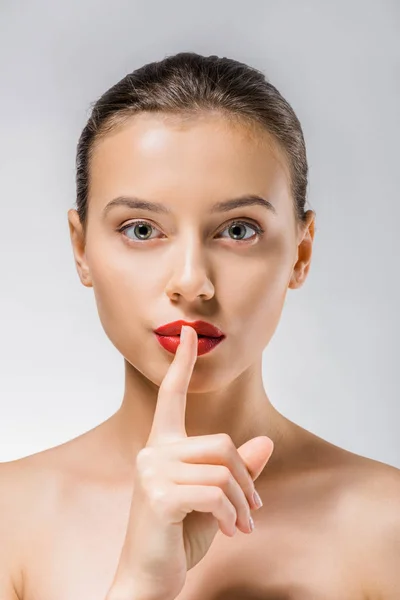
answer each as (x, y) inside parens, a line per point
(255, 454)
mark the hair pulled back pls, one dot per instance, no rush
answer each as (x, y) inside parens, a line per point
(188, 84)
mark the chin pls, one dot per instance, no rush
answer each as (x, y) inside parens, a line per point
(206, 377)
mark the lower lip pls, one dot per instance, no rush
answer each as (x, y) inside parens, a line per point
(204, 344)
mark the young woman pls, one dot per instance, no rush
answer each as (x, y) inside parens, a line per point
(191, 188)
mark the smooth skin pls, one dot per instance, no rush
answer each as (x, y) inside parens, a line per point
(329, 527)
(185, 488)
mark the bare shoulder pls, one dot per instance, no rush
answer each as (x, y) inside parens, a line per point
(364, 495)
(373, 498)
(15, 522)
(372, 514)
(30, 488)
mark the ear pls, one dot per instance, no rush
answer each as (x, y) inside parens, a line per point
(304, 252)
(78, 247)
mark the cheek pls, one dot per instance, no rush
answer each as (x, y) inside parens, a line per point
(258, 309)
(254, 294)
(121, 297)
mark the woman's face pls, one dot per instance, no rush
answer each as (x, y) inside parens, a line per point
(189, 262)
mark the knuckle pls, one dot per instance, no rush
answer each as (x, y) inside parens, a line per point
(147, 473)
(146, 465)
(219, 496)
(225, 443)
(225, 476)
(143, 456)
(160, 499)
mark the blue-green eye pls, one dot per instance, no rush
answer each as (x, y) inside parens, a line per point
(237, 227)
(142, 230)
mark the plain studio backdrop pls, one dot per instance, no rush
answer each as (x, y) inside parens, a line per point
(332, 365)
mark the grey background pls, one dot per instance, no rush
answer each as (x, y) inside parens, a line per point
(332, 366)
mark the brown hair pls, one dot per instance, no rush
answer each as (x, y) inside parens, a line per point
(187, 84)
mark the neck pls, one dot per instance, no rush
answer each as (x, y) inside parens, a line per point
(242, 410)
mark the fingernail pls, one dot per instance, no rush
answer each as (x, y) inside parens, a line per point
(257, 500)
(183, 333)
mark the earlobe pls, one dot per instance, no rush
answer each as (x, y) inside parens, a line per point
(85, 278)
(299, 275)
(78, 247)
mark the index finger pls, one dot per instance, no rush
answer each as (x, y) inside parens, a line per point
(169, 416)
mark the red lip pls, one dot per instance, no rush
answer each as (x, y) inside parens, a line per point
(201, 327)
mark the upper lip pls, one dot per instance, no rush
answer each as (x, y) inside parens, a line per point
(201, 327)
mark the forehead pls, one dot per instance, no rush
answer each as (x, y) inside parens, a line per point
(159, 155)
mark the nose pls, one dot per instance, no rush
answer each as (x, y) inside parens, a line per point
(188, 277)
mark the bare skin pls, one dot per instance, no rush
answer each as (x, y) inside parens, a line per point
(330, 524)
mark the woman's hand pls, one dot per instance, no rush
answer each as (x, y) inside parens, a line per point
(185, 489)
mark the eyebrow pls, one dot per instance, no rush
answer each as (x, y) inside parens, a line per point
(224, 206)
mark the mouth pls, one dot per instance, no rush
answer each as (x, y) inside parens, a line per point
(204, 343)
(202, 328)
(209, 336)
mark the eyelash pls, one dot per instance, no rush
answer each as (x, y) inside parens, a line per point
(257, 228)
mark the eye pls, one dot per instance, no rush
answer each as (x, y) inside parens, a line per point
(236, 228)
(142, 231)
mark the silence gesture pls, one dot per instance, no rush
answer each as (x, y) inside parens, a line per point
(185, 489)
